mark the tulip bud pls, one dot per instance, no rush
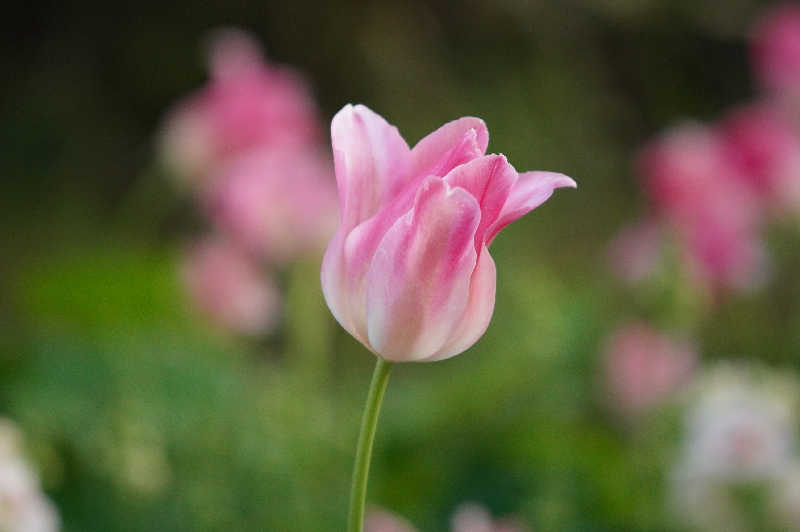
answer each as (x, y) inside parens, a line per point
(408, 272)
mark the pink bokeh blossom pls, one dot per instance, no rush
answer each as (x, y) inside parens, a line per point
(775, 51)
(379, 520)
(248, 103)
(248, 147)
(695, 188)
(471, 517)
(229, 288)
(763, 143)
(279, 204)
(409, 273)
(644, 367)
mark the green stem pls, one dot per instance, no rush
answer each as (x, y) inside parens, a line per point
(358, 493)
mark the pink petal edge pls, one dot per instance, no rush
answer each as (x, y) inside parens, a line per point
(532, 189)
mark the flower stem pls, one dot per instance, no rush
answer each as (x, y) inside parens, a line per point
(358, 493)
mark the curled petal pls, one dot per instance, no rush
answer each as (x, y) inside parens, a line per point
(452, 144)
(418, 282)
(490, 180)
(531, 190)
(371, 160)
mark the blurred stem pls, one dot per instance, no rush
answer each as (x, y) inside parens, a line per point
(358, 491)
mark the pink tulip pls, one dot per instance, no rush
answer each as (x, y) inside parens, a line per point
(408, 273)
(776, 51)
(764, 145)
(684, 169)
(230, 289)
(698, 190)
(247, 104)
(643, 367)
(277, 203)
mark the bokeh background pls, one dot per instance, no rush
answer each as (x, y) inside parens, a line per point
(139, 413)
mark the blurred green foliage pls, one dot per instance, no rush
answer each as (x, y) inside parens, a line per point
(140, 418)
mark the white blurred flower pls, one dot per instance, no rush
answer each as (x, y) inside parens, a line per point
(739, 434)
(741, 428)
(10, 439)
(786, 503)
(23, 507)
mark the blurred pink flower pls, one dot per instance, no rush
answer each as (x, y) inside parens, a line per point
(408, 273)
(685, 169)
(697, 189)
(636, 251)
(776, 50)
(644, 367)
(764, 145)
(229, 288)
(248, 103)
(379, 520)
(470, 517)
(723, 250)
(277, 203)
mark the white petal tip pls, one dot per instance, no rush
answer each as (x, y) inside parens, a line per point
(562, 181)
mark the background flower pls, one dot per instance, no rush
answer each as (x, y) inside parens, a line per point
(229, 288)
(247, 104)
(23, 507)
(740, 434)
(279, 205)
(776, 50)
(644, 367)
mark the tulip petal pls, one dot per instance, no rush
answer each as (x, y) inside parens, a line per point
(371, 160)
(452, 144)
(333, 284)
(479, 309)
(490, 180)
(531, 190)
(418, 282)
